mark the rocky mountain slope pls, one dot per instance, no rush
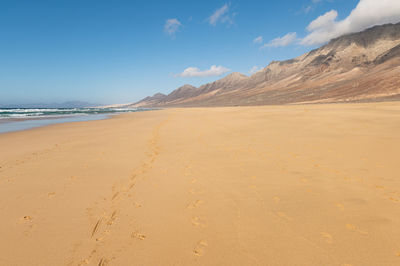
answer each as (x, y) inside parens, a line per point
(362, 66)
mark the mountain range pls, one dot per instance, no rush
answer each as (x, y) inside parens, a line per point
(357, 67)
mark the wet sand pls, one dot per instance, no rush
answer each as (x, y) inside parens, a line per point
(275, 185)
(13, 124)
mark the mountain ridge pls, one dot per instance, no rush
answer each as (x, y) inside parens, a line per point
(354, 67)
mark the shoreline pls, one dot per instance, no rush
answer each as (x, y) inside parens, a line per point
(276, 185)
(92, 117)
(9, 125)
(23, 124)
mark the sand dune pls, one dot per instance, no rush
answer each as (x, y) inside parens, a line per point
(277, 185)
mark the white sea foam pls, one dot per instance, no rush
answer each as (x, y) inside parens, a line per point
(21, 119)
(54, 112)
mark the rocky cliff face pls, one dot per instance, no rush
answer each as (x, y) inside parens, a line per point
(362, 66)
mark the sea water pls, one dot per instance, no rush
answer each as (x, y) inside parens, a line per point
(16, 119)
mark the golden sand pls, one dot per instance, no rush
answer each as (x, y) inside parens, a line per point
(281, 185)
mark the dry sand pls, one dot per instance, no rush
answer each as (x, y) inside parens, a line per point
(284, 185)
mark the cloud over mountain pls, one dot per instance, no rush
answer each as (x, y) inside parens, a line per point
(196, 72)
(367, 13)
(282, 41)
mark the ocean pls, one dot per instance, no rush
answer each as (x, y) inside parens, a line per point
(15, 119)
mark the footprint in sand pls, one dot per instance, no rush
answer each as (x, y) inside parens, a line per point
(398, 254)
(138, 235)
(51, 194)
(26, 218)
(195, 192)
(199, 250)
(115, 196)
(96, 227)
(103, 262)
(131, 186)
(112, 218)
(327, 237)
(284, 216)
(354, 228)
(195, 204)
(99, 239)
(137, 205)
(198, 222)
(340, 206)
(394, 199)
(351, 227)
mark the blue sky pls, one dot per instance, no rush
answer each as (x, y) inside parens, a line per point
(120, 51)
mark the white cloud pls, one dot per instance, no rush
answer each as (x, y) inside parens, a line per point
(282, 41)
(195, 72)
(258, 39)
(366, 14)
(255, 69)
(221, 15)
(172, 26)
(324, 21)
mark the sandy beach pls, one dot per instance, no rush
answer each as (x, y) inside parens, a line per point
(273, 185)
